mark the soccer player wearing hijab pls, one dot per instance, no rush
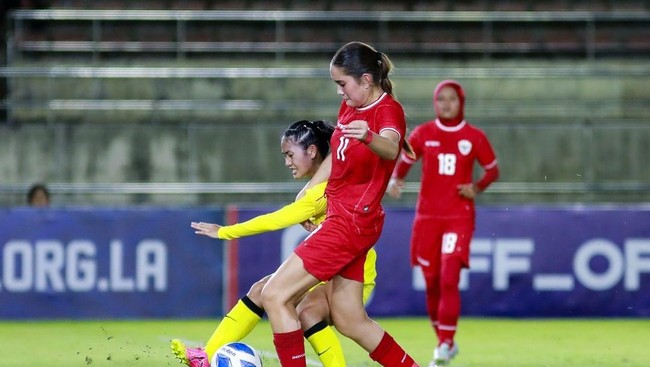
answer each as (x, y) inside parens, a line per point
(445, 216)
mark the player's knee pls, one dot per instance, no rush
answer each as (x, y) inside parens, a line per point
(432, 283)
(255, 292)
(267, 295)
(311, 312)
(449, 284)
(305, 308)
(272, 297)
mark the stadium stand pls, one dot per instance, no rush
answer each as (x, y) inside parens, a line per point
(502, 34)
(367, 5)
(563, 71)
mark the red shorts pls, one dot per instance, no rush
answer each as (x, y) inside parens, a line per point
(435, 239)
(337, 248)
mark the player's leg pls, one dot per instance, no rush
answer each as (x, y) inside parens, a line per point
(351, 319)
(279, 296)
(455, 256)
(314, 314)
(426, 240)
(448, 311)
(240, 320)
(238, 323)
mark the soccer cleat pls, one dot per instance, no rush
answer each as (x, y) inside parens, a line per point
(453, 352)
(443, 354)
(192, 357)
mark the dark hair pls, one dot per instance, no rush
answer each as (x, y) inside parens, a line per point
(36, 188)
(306, 133)
(358, 58)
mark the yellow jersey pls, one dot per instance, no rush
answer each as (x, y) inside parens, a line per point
(312, 206)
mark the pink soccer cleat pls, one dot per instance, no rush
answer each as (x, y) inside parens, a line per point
(192, 357)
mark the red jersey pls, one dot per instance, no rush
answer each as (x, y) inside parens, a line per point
(448, 155)
(359, 177)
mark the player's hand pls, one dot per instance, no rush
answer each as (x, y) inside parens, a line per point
(357, 129)
(395, 186)
(468, 191)
(309, 226)
(206, 229)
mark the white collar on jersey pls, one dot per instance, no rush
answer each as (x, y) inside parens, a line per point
(450, 128)
(373, 103)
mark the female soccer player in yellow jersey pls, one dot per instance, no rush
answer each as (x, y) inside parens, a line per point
(305, 145)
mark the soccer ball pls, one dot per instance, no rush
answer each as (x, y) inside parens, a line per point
(236, 355)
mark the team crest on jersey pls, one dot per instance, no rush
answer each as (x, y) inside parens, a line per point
(465, 146)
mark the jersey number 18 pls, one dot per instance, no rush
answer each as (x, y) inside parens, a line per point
(446, 164)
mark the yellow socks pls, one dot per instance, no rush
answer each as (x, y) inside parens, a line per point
(326, 344)
(245, 315)
(238, 323)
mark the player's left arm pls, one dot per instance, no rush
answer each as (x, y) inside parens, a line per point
(385, 144)
(386, 141)
(488, 160)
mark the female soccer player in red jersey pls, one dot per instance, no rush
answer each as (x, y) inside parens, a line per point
(365, 147)
(444, 220)
(305, 144)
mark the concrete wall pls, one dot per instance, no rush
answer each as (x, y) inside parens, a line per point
(250, 152)
(496, 91)
(561, 128)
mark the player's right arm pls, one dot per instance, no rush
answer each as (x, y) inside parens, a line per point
(312, 205)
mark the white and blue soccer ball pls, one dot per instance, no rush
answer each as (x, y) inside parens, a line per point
(236, 355)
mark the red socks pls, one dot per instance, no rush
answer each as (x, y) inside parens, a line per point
(291, 351)
(389, 354)
(290, 348)
(449, 306)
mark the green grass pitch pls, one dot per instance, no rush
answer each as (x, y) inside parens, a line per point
(484, 342)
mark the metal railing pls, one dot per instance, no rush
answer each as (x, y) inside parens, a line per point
(190, 193)
(50, 100)
(232, 188)
(581, 32)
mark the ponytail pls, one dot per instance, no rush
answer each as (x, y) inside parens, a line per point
(306, 133)
(358, 58)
